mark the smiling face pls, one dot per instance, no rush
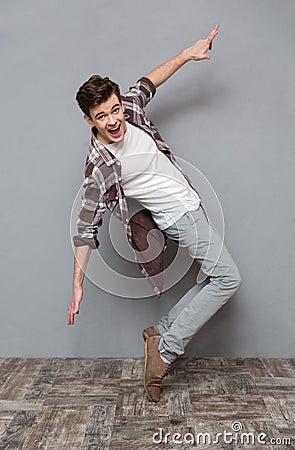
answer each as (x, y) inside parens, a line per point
(108, 118)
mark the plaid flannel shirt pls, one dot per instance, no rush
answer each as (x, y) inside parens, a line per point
(102, 188)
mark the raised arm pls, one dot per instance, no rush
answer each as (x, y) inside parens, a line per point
(196, 52)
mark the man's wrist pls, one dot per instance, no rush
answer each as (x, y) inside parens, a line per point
(184, 57)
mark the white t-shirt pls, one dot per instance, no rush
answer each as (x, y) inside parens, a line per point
(150, 177)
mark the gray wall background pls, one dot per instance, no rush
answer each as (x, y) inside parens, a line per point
(231, 117)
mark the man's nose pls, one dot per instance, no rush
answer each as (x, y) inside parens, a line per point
(111, 119)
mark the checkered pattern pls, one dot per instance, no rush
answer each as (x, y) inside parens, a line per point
(102, 188)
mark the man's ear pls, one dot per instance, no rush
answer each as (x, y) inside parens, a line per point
(88, 120)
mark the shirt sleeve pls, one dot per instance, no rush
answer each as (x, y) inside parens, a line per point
(90, 215)
(142, 91)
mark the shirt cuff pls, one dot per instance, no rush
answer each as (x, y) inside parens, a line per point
(150, 84)
(79, 242)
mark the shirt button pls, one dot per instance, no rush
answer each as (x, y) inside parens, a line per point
(118, 163)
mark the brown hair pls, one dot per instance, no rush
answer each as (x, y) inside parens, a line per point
(94, 91)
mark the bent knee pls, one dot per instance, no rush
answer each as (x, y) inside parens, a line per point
(231, 282)
(235, 281)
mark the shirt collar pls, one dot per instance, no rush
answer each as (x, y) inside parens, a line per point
(99, 150)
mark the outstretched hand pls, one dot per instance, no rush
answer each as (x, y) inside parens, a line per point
(196, 52)
(199, 49)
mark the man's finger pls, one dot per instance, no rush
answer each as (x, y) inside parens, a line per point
(70, 317)
(214, 32)
(212, 35)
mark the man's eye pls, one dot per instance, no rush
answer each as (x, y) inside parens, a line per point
(100, 117)
(116, 110)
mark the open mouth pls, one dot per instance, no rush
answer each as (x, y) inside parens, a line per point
(115, 131)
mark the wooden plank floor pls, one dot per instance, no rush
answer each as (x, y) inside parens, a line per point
(90, 404)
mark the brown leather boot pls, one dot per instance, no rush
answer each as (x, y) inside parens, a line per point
(150, 331)
(155, 369)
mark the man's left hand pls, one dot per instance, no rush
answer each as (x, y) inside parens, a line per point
(199, 49)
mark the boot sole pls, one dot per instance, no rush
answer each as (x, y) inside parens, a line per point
(144, 382)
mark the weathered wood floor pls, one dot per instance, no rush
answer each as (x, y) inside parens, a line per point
(89, 404)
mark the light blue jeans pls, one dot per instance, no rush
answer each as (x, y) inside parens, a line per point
(203, 243)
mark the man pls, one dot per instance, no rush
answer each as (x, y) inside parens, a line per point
(128, 158)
